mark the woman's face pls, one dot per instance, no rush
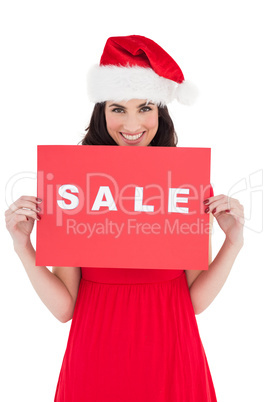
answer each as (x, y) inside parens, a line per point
(133, 122)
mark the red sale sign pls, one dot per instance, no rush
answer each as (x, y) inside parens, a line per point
(123, 207)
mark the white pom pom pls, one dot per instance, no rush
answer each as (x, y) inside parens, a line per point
(186, 93)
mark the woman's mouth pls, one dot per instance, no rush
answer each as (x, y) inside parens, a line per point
(132, 138)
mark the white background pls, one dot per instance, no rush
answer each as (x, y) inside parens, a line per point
(47, 48)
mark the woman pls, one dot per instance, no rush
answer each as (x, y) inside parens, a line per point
(134, 334)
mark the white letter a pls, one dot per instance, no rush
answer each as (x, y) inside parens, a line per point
(99, 202)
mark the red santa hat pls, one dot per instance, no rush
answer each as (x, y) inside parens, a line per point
(135, 67)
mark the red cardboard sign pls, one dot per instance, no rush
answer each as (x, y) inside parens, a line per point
(123, 207)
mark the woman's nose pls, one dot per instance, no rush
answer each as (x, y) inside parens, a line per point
(132, 124)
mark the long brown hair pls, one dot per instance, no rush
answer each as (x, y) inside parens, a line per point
(97, 134)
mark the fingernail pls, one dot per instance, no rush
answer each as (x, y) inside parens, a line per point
(214, 210)
(206, 201)
(206, 210)
(38, 208)
(38, 217)
(38, 200)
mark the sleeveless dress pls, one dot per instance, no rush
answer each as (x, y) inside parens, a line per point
(134, 338)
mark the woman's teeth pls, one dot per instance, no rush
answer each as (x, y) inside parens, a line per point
(132, 137)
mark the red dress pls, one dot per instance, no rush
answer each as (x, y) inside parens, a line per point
(134, 337)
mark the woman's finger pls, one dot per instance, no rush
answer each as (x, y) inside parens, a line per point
(221, 204)
(24, 202)
(237, 213)
(12, 221)
(28, 212)
(224, 206)
(209, 200)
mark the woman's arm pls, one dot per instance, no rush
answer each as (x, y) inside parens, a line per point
(207, 284)
(57, 289)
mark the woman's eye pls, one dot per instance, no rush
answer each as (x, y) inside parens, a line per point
(145, 109)
(118, 110)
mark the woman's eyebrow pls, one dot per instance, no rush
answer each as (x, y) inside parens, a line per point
(145, 104)
(117, 105)
(123, 107)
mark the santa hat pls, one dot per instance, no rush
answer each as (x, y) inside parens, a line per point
(135, 67)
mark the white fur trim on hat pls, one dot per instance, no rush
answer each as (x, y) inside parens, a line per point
(118, 83)
(186, 93)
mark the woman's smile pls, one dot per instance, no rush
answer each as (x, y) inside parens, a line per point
(132, 138)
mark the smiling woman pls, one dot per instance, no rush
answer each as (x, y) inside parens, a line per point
(134, 335)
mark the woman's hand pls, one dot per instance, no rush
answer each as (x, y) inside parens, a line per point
(230, 216)
(20, 217)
